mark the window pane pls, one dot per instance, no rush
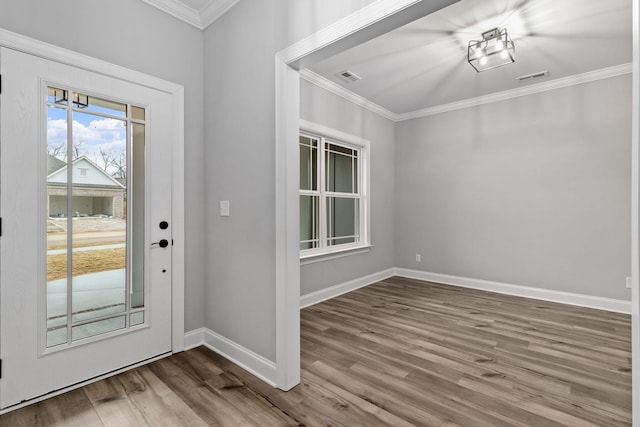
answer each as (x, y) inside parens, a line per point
(137, 113)
(57, 96)
(342, 220)
(91, 103)
(136, 209)
(136, 318)
(309, 222)
(99, 227)
(308, 163)
(340, 169)
(97, 328)
(57, 224)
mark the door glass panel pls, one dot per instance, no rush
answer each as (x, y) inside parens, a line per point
(137, 216)
(99, 327)
(136, 318)
(56, 226)
(137, 113)
(98, 223)
(95, 240)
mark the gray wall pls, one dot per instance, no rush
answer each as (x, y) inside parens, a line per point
(239, 52)
(137, 36)
(531, 191)
(324, 108)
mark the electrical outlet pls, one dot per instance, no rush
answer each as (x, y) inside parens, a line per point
(629, 282)
(418, 258)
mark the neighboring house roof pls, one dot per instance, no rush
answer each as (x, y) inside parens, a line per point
(85, 172)
(53, 164)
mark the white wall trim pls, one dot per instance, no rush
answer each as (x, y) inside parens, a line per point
(364, 17)
(312, 259)
(234, 352)
(581, 300)
(214, 10)
(287, 116)
(194, 338)
(287, 241)
(591, 76)
(200, 19)
(178, 10)
(51, 52)
(601, 303)
(577, 79)
(55, 53)
(635, 215)
(354, 98)
(334, 291)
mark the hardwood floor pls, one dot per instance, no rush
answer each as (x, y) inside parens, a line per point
(399, 352)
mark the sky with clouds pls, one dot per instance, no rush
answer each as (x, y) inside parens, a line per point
(92, 132)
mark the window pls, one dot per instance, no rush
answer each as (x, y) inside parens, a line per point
(333, 182)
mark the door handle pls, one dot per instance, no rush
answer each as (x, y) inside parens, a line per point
(162, 243)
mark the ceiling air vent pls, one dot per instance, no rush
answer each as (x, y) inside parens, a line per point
(532, 76)
(348, 76)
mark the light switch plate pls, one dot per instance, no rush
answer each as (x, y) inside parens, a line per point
(224, 208)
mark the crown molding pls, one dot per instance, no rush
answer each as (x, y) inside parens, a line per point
(590, 76)
(200, 19)
(214, 10)
(336, 89)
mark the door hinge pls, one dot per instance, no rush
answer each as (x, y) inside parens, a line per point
(0, 226)
(0, 83)
(0, 368)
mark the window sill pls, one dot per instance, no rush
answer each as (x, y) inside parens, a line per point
(326, 256)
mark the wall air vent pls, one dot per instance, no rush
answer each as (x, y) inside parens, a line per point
(532, 76)
(348, 76)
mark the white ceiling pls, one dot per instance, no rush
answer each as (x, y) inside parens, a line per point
(424, 64)
(199, 13)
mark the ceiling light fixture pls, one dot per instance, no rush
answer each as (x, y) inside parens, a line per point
(494, 50)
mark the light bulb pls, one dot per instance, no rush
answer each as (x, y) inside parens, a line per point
(504, 54)
(499, 45)
(483, 60)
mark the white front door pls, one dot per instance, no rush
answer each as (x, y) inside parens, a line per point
(85, 201)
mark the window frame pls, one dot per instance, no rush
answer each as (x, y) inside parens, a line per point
(326, 135)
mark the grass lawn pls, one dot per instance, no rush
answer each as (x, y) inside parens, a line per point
(86, 262)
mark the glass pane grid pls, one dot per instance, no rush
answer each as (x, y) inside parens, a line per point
(339, 218)
(88, 285)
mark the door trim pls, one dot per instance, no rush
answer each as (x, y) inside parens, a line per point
(54, 53)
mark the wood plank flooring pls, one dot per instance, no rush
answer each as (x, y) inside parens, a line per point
(400, 352)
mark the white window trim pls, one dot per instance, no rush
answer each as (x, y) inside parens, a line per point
(364, 146)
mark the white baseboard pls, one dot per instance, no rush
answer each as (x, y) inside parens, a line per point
(193, 339)
(241, 356)
(266, 369)
(333, 291)
(601, 303)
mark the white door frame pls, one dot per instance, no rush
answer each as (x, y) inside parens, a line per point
(48, 51)
(350, 31)
(635, 215)
(287, 216)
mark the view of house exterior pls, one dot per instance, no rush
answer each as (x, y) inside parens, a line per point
(96, 193)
